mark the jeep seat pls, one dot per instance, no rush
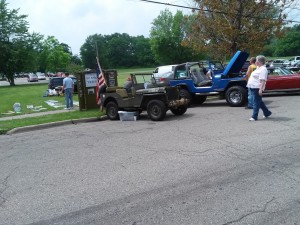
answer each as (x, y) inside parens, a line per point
(112, 89)
(122, 93)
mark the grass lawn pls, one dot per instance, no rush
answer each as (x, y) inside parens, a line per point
(32, 95)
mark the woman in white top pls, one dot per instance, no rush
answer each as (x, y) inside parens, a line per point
(257, 83)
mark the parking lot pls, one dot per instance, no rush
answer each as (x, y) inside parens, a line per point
(23, 81)
(209, 166)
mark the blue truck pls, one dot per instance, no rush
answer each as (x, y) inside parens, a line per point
(229, 83)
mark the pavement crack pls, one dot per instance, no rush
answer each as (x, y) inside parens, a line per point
(4, 186)
(251, 213)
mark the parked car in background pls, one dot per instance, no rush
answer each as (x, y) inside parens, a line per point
(41, 76)
(162, 72)
(50, 75)
(32, 77)
(164, 78)
(57, 82)
(295, 68)
(294, 60)
(282, 79)
(60, 74)
(281, 62)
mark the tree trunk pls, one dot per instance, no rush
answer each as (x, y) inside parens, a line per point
(11, 81)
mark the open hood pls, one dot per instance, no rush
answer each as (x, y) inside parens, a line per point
(236, 63)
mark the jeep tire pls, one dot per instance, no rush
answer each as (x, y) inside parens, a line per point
(236, 96)
(156, 110)
(179, 111)
(199, 99)
(183, 93)
(112, 110)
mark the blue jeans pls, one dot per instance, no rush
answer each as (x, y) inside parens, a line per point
(250, 98)
(69, 97)
(258, 104)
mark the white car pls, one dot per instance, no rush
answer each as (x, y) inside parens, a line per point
(41, 76)
(163, 69)
(294, 60)
(162, 72)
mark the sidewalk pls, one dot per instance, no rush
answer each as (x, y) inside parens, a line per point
(21, 116)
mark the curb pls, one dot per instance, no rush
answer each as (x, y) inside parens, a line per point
(54, 124)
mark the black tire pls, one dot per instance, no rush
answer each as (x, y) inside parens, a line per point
(179, 111)
(236, 96)
(112, 111)
(156, 110)
(183, 93)
(199, 99)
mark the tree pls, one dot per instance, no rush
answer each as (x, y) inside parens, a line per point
(54, 55)
(15, 41)
(288, 44)
(166, 38)
(88, 51)
(223, 27)
(116, 50)
(142, 51)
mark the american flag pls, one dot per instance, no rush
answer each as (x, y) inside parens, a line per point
(100, 81)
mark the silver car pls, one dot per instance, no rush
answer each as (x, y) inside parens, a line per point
(32, 77)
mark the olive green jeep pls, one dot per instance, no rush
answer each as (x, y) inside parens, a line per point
(144, 94)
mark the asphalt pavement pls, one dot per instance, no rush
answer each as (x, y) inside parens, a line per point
(208, 166)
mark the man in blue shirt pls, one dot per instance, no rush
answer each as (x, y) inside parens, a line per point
(68, 87)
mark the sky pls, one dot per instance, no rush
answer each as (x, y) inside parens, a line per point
(72, 21)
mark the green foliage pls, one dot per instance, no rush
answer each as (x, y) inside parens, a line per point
(116, 50)
(14, 29)
(29, 94)
(32, 94)
(287, 45)
(54, 56)
(7, 125)
(166, 38)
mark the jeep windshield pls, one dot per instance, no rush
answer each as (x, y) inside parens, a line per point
(142, 78)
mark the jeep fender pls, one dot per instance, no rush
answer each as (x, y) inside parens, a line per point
(109, 99)
(241, 83)
(147, 98)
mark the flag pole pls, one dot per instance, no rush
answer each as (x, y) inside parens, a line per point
(97, 54)
(99, 78)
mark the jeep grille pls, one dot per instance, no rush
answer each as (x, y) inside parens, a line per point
(172, 93)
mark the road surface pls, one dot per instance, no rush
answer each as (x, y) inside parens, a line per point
(209, 166)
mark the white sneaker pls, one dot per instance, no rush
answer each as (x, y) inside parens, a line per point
(265, 117)
(67, 108)
(251, 119)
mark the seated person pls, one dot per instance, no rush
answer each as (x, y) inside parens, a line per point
(209, 74)
(128, 84)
